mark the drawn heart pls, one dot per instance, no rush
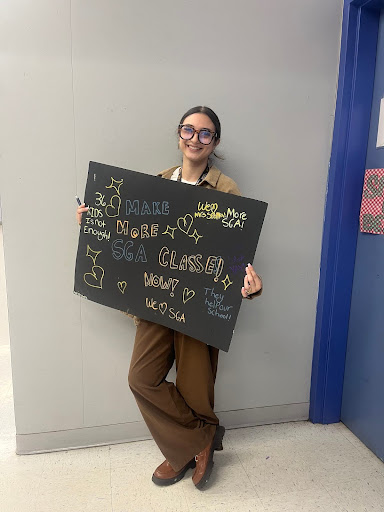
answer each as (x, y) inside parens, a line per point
(163, 307)
(188, 295)
(185, 223)
(122, 286)
(113, 209)
(95, 278)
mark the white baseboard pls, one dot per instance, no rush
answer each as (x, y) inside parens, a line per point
(137, 431)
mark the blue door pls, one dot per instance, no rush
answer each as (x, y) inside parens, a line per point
(362, 408)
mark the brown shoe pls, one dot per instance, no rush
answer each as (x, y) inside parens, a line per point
(204, 460)
(166, 475)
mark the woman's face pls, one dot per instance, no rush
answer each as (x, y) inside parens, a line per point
(193, 149)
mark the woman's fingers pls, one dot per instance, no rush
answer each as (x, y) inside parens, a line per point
(250, 276)
(244, 292)
(246, 289)
(252, 282)
(254, 277)
(79, 212)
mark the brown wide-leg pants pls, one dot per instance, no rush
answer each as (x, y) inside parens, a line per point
(180, 417)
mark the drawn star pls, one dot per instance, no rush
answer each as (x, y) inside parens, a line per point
(170, 231)
(226, 282)
(92, 254)
(118, 183)
(196, 236)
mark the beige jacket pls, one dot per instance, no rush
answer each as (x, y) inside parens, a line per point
(214, 179)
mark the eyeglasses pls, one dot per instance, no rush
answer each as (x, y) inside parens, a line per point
(187, 132)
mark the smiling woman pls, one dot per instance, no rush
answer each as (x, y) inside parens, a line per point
(199, 135)
(180, 417)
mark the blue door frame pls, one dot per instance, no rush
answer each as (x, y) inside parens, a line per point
(341, 219)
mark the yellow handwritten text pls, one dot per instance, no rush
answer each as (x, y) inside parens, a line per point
(192, 262)
(234, 219)
(163, 307)
(160, 282)
(101, 235)
(208, 211)
(144, 231)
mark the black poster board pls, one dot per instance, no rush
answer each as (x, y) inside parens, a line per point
(165, 251)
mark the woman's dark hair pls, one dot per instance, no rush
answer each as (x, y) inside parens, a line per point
(208, 112)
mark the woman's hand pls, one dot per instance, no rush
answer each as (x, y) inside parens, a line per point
(79, 212)
(252, 282)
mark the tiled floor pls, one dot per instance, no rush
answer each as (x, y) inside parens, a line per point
(291, 467)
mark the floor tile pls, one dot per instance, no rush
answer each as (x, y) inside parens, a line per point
(5, 391)
(282, 432)
(7, 417)
(222, 505)
(377, 482)
(377, 464)
(19, 465)
(7, 446)
(334, 461)
(134, 492)
(280, 477)
(357, 495)
(18, 491)
(228, 483)
(80, 491)
(70, 461)
(144, 455)
(314, 500)
(12, 464)
(276, 468)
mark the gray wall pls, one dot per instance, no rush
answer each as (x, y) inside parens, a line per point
(108, 81)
